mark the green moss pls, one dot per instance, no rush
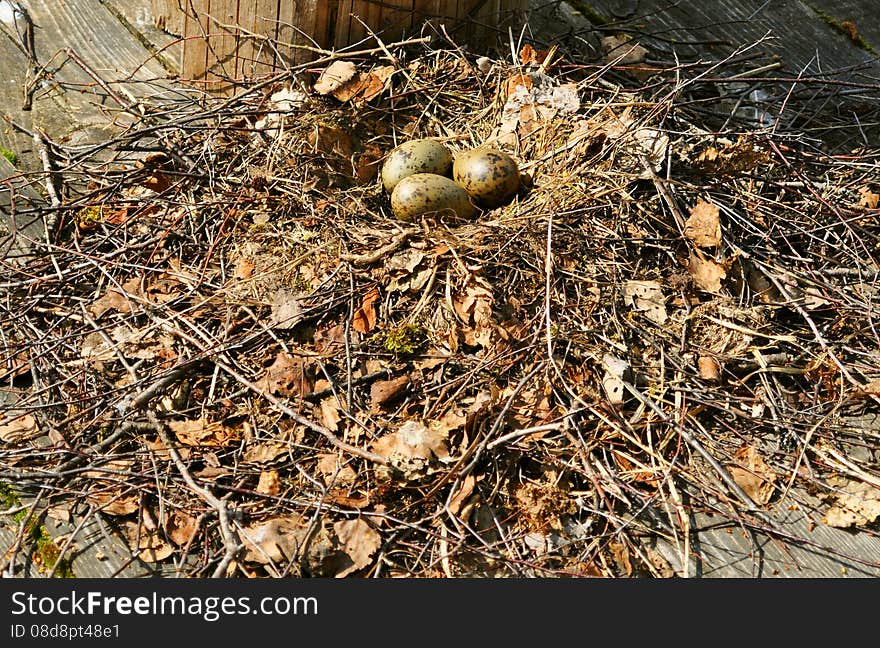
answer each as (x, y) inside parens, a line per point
(588, 12)
(45, 553)
(845, 27)
(404, 340)
(9, 155)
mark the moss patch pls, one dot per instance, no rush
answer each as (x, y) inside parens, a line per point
(588, 12)
(9, 155)
(845, 27)
(404, 340)
(45, 552)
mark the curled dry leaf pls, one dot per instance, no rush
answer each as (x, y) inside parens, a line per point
(647, 298)
(335, 76)
(181, 528)
(112, 502)
(364, 318)
(383, 392)
(710, 368)
(334, 472)
(858, 504)
(283, 539)
(275, 540)
(707, 274)
(200, 432)
(264, 452)
(330, 413)
(621, 49)
(461, 496)
(703, 226)
(411, 448)
(753, 475)
(115, 299)
(289, 375)
(359, 541)
(19, 429)
(866, 391)
(269, 482)
(145, 539)
(867, 198)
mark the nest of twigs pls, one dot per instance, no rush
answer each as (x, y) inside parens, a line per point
(231, 351)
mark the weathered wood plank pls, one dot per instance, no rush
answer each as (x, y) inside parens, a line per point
(692, 29)
(140, 20)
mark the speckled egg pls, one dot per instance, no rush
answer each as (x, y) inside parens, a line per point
(415, 156)
(490, 176)
(425, 193)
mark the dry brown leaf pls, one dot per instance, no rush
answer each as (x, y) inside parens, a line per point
(703, 227)
(621, 50)
(710, 368)
(111, 501)
(286, 310)
(115, 299)
(200, 432)
(274, 540)
(330, 413)
(411, 448)
(707, 274)
(528, 55)
(647, 297)
(359, 541)
(181, 528)
(461, 496)
(244, 268)
(368, 163)
(333, 471)
(858, 504)
(335, 76)
(283, 539)
(620, 552)
(383, 392)
(264, 452)
(331, 141)
(288, 375)
(269, 482)
(375, 82)
(152, 547)
(753, 475)
(19, 429)
(867, 198)
(870, 389)
(364, 318)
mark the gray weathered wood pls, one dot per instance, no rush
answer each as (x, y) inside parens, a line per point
(802, 39)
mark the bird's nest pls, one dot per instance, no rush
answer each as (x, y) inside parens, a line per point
(232, 352)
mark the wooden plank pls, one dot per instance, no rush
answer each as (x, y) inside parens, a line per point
(712, 29)
(68, 103)
(221, 22)
(343, 24)
(194, 58)
(169, 16)
(139, 17)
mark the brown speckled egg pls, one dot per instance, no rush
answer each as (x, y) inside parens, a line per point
(490, 176)
(425, 193)
(415, 156)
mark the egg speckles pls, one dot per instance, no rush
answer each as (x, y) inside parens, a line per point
(426, 193)
(415, 156)
(490, 176)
